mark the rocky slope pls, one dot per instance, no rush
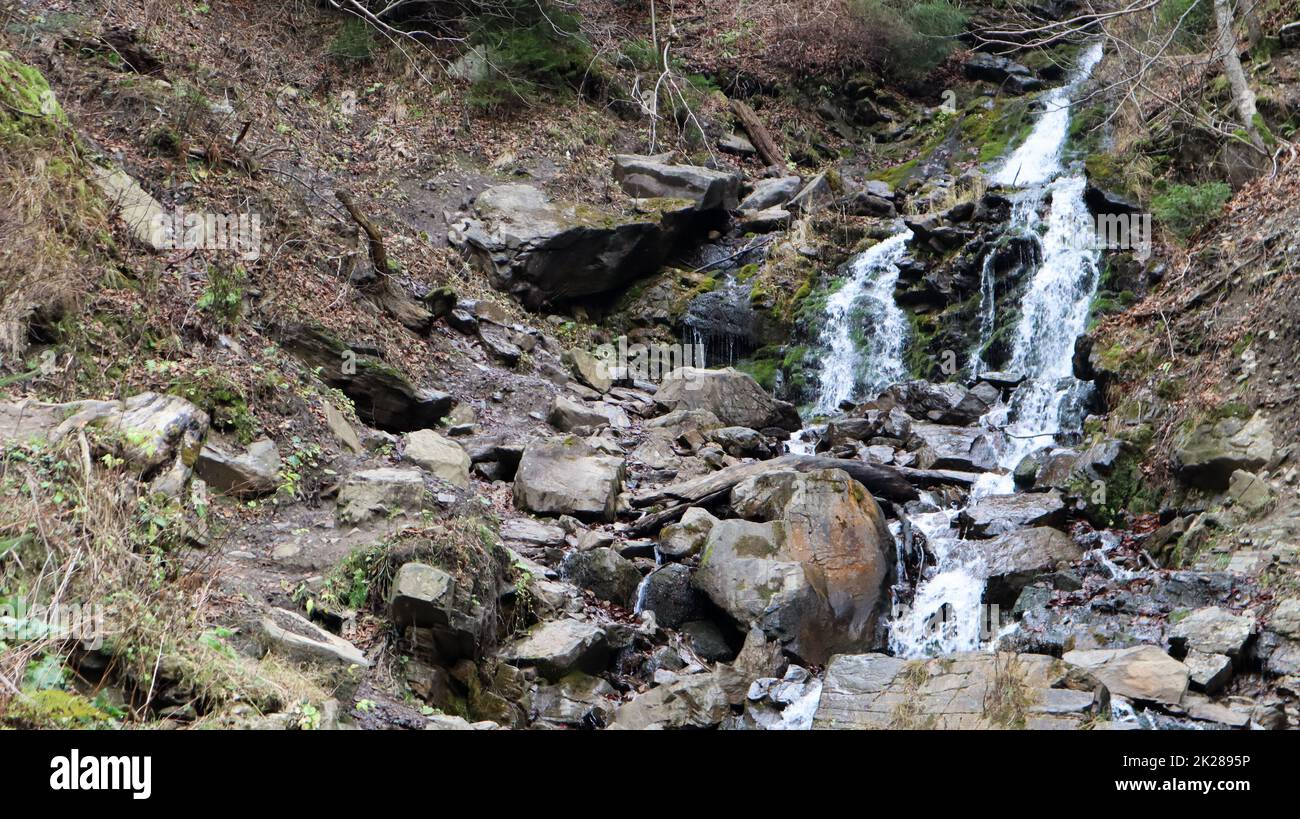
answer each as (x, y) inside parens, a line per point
(409, 462)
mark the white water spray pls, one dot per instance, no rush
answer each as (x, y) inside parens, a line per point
(865, 303)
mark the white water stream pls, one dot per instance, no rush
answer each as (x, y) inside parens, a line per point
(946, 614)
(865, 303)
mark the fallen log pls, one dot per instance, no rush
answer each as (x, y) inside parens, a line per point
(882, 481)
(937, 477)
(758, 134)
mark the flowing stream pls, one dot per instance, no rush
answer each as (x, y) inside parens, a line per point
(945, 614)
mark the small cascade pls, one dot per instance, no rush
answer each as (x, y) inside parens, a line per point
(988, 314)
(865, 334)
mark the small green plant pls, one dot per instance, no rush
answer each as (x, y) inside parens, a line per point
(1184, 209)
(224, 295)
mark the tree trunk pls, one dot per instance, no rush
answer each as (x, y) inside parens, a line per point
(1242, 97)
(758, 134)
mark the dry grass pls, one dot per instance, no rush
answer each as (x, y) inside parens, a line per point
(78, 532)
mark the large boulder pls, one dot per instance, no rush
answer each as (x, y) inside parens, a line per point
(383, 397)
(440, 457)
(568, 476)
(1011, 560)
(652, 177)
(575, 700)
(385, 492)
(1007, 73)
(967, 449)
(553, 253)
(422, 596)
(693, 701)
(670, 593)
(734, 397)
(962, 691)
(1142, 672)
(160, 436)
(687, 536)
(948, 403)
(1208, 454)
(771, 193)
(558, 647)
(605, 573)
(813, 568)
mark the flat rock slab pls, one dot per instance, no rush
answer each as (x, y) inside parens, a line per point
(961, 691)
(558, 647)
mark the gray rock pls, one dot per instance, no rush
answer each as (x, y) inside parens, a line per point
(693, 701)
(1011, 561)
(1208, 455)
(814, 196)
(743, 442)
(566, 476)
(768, 220)
(645, 176)
(296, 638)
(1142, 672)
(567, 415)
(1285, 619)
(771, 193)
(687, 536)
(558, 647)
(999, 514)
(1209, 672)
(421, 595)
(551, 253)
(530, 532)
(708, 641)
(680, 422)
(605, 573)
(734, 397)
(248, 474)
(937, 403)
(159, 436)
(1251, 495)
(440, 457)
(384, 492)
(966, 449)
(962, 691)
(1213, 630)
(589, 369)
(670, 593)
(575, 700)
(383, 396)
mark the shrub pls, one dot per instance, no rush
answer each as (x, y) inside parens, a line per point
(1183, 209)
(913, 37)
(533, 48)
(353, 43)
(1194, 26)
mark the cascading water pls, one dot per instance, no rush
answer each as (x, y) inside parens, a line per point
(865, 302)
(945, 613)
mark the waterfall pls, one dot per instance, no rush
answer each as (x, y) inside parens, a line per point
(946, 611)
(865, 302)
